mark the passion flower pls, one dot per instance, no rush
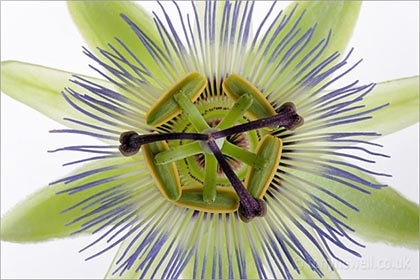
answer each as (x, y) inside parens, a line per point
(225, 148)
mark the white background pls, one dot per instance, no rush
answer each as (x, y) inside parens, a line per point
(386, 36)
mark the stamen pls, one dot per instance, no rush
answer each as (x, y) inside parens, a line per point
(286, 117)
(242, 155)
(131, 141)
(209, 187)
(191, 111)
(237, 111)
(249, 207)
(179, 152)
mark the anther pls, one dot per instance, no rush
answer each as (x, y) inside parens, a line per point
(249, 207)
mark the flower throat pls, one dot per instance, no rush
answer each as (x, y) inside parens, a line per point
(188, 162)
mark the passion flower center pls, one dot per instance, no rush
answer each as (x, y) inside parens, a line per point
(213, 109)
(210, 143)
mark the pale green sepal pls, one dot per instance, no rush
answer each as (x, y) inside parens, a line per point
(384, 215)
(40, 88)
(39, 217)
(402, 111)
(100, 22)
